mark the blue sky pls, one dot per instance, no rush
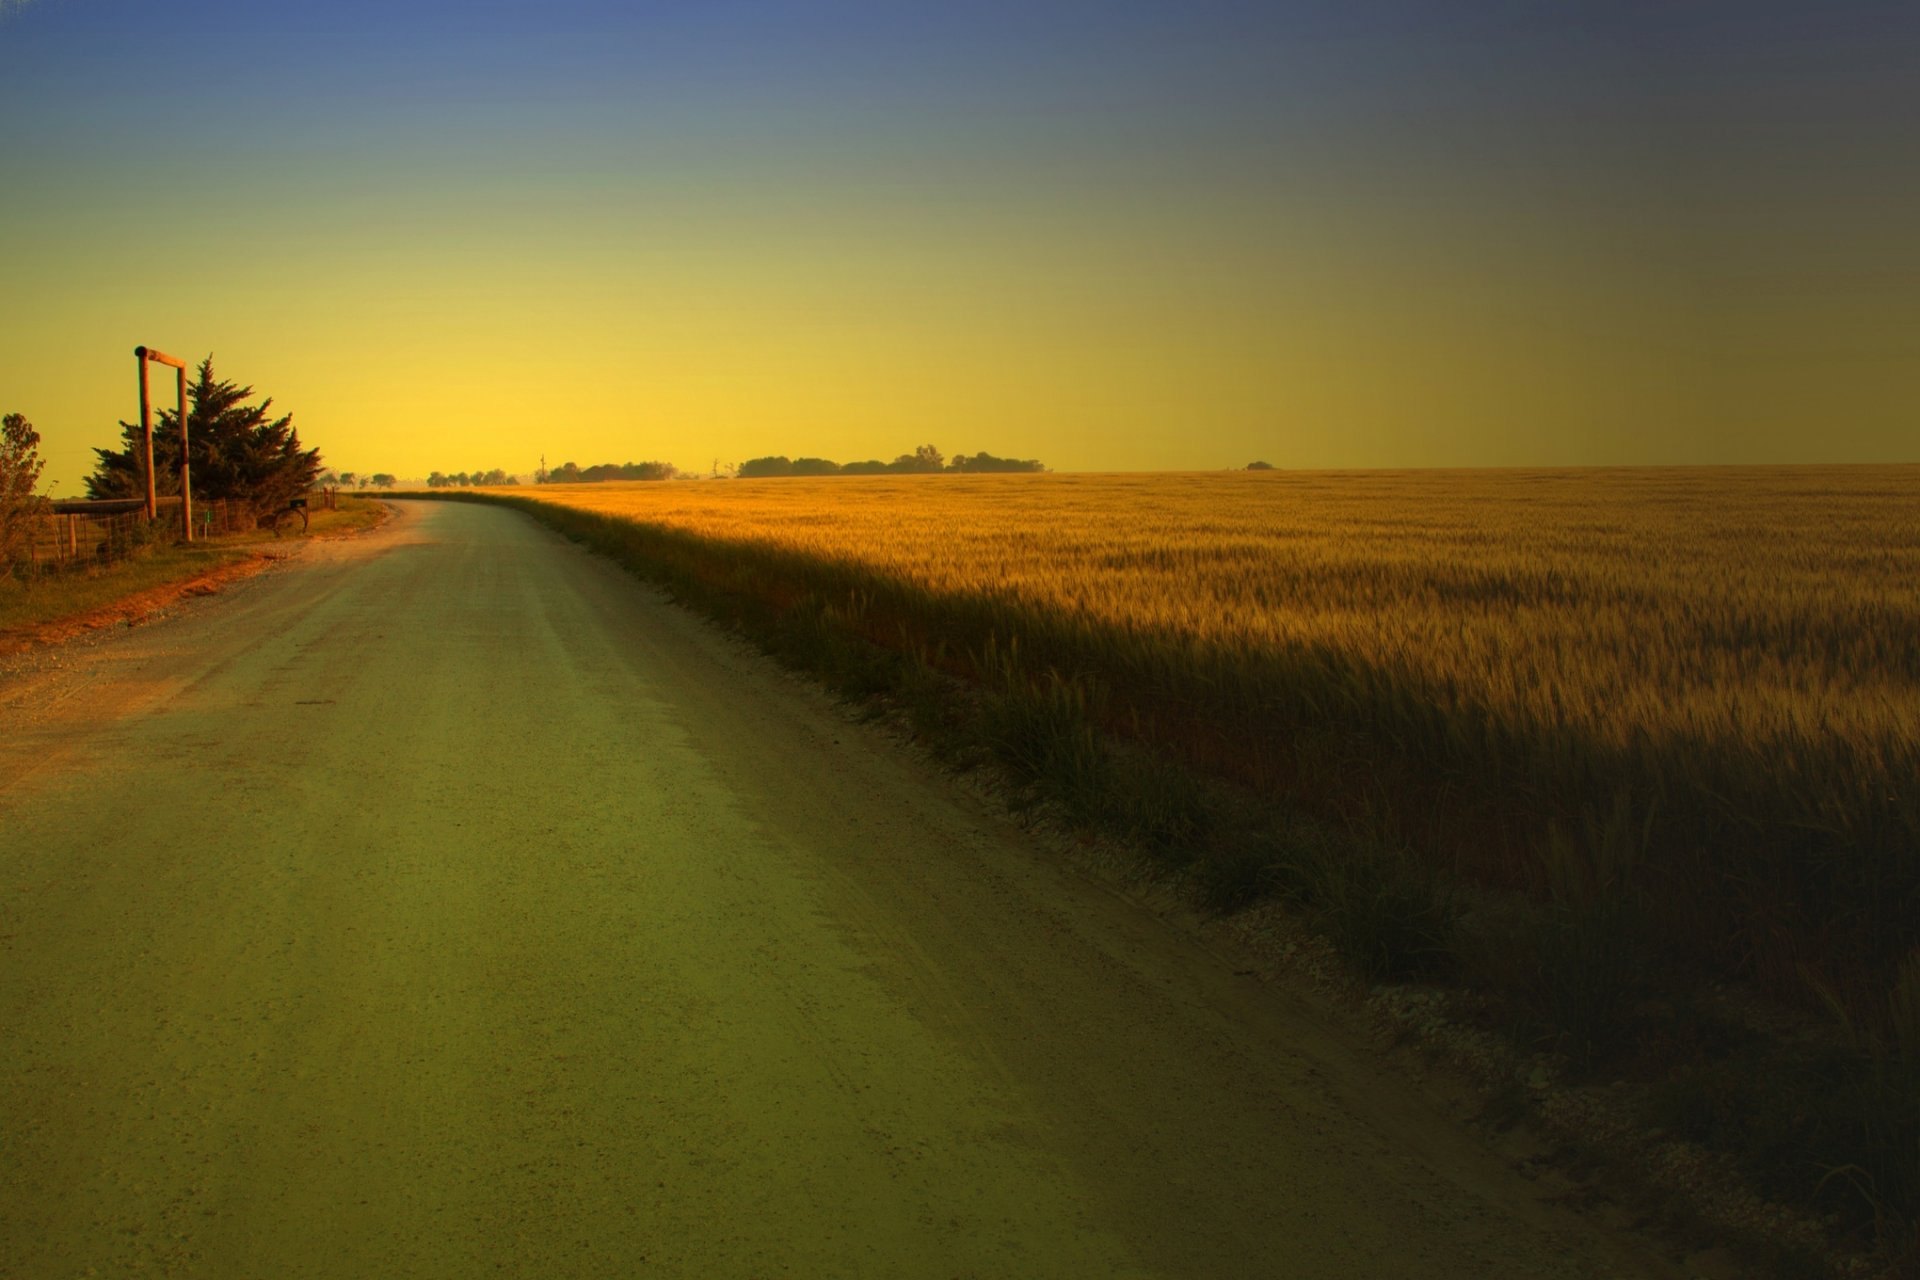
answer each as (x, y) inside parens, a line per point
(1113, 235)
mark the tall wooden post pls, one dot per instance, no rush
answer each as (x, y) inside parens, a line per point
(145, 354)
(186, 489)
(146, 433)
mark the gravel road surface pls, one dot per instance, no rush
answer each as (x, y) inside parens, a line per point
(445, 903)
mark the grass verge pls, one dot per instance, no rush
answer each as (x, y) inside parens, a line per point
(27, 605)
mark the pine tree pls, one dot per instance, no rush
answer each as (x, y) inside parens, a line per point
(236, 451)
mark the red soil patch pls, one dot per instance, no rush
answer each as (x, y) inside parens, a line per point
(130, 610)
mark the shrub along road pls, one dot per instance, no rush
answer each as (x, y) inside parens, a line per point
(446, 901)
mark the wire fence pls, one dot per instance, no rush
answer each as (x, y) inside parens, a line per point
(62, 542)
(74, 536)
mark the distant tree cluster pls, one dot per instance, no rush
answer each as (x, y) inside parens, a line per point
(922, 461)
(238, 452)
(462, 479)
(573, 473)
(984, 461)
(357, 480)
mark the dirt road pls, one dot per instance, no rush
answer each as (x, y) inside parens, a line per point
(445, 903)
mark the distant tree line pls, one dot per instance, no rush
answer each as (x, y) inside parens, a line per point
(354, 480)
(924, 460)
(573, 473)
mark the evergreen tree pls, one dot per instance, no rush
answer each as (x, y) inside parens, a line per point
(236, 452)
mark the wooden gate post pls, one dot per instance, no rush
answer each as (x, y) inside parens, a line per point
(186, 486)
(146, 433)
(145, 354)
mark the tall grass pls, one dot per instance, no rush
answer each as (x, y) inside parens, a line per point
(1728, 657)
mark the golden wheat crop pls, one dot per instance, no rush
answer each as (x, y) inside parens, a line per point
(1751, 606)
(1724, 660)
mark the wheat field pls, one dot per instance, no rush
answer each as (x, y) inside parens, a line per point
(1733, 652)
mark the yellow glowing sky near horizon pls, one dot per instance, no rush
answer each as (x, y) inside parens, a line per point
(1195, 238)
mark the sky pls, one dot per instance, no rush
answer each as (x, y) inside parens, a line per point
(1112, 236)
